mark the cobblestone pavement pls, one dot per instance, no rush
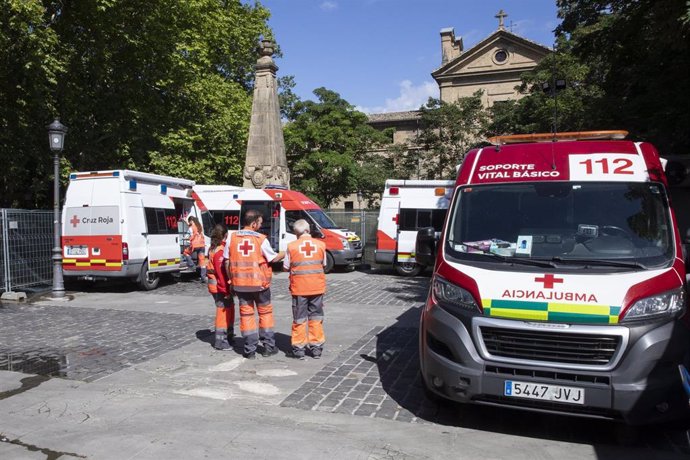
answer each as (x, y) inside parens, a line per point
(370, 289)
(378, 376)
(87, 344)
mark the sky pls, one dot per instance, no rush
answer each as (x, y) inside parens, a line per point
(379, 54)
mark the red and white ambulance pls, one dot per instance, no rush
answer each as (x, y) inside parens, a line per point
(281, 208)
(407, 206)
(559, 281)
(125, 224)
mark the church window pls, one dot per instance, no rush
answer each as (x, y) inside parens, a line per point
(500, 56)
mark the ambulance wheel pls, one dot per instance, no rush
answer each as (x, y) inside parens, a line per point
(330, 263)
(408, 268)
(148, 281)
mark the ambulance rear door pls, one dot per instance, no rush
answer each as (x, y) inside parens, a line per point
(162, 238)
(420, 207)
(386, 232)
(271, 223)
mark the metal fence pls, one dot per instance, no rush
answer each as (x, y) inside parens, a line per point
(26, 243)
(363, 223)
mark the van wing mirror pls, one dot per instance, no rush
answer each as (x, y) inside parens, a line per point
(425, 246)
(317, 233)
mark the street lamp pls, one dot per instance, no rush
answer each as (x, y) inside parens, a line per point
(56, 138)
(362, 222)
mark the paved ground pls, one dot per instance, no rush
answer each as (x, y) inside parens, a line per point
(119, 373)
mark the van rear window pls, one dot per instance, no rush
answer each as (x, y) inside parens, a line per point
(161, 221)
(414, 219)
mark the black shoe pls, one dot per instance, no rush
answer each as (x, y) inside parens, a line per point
(251, 355)
(294, 355)
(223, 347)
(269, 351)
(316, 353)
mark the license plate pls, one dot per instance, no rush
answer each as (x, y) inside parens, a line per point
(77, 250)
(555, 393)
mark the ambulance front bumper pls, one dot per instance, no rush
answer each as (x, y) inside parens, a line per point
(643, 385)
(347, 256)
(130, 269)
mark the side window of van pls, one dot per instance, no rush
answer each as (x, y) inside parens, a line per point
(160, 221)
(293, 216)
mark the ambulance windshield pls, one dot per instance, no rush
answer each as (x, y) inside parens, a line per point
(613, 224)
(321, 218)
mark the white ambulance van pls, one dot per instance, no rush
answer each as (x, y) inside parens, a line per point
(558, 282)
(407, 206)
(125, 224)
(281, 208)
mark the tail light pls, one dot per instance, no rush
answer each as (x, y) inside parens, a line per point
(395, 219)
(394, 190)
(125, 251)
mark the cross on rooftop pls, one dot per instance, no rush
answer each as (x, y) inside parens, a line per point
(501, 16)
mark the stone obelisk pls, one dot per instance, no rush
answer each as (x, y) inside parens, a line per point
(266, 163)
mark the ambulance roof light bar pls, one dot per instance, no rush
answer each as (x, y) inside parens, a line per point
(563, 136)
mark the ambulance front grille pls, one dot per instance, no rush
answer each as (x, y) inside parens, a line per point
(550, 346)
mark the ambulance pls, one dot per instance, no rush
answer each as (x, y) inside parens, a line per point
(281, 208)
(123, 224)
(559, 281)
(407, 206)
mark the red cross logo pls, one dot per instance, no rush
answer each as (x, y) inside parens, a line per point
(307, 248)
(74, 221)
(548, 280)
(245, 248)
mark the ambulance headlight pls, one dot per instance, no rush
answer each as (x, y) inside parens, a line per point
(658, 306)
(451, 297)
(346, 243)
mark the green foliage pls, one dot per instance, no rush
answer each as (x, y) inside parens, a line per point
(328, 146)
(639, 54)
(448, 131)
(625, 63)
(164, 88)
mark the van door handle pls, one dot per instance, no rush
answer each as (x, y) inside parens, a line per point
(177, 240)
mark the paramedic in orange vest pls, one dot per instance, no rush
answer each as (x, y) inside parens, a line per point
(198, 244)
(250, 254)
(305, 259)
(220, 289)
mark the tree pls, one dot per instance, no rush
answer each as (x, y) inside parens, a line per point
(639, 55)
(448, 131)
(165, 88)
(329, 149)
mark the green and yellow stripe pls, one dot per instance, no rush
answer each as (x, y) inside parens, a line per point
(551, 311)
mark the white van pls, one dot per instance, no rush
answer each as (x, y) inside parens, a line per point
(407, 206)
(125, 224)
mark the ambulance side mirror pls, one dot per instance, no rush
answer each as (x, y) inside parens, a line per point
(425, 246)
(317, 233)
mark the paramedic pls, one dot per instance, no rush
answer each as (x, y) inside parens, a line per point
(198, 244)
(250, 254)
(305, 259)
(220, 289)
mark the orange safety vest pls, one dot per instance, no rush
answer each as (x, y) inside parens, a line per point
(306, 266)
(211, 271)
(197, 239)
(249, 270)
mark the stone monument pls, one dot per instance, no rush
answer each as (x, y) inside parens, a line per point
(266, 163)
